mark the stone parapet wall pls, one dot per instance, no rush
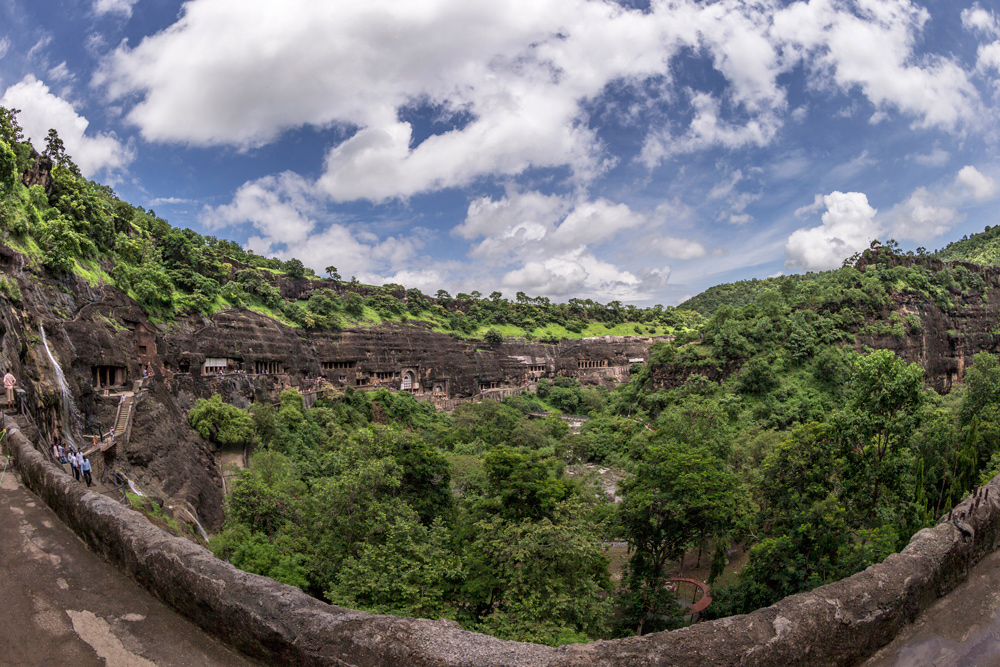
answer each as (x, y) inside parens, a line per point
(837, 624)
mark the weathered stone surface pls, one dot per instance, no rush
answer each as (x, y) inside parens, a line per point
(836, 625)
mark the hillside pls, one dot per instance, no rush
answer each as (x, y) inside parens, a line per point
(982, 248)
(740, 293)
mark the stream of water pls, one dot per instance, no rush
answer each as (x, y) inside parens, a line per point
(67, 408)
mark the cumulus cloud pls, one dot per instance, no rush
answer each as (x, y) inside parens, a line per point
(288, 214)
(120, 7)
(547, 244)
(976, 18)
(511, 79)
(921, 217)
(530, 224)
(42, 110)
(849, 225)
(981, 186)
(280, 207)
(574, 273)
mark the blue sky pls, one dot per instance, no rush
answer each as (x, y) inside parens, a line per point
(568, 148)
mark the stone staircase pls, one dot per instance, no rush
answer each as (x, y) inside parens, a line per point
(124, 416)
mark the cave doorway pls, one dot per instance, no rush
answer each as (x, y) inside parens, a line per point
(408, 379)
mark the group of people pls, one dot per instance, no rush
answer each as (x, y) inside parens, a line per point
(79, 463)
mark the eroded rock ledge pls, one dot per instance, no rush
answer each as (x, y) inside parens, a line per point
(836, 624)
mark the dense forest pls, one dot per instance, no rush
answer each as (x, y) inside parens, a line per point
(763, 421)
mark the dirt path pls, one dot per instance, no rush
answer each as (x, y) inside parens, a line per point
(962, 629)
(63, 605)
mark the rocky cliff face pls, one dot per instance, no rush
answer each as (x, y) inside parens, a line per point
(949, 331)
(949, 336)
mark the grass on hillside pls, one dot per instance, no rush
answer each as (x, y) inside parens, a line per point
(91, 271)
(273, 314)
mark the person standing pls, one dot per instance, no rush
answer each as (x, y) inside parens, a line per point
(74, 465)
(8, 383)
(85, 467)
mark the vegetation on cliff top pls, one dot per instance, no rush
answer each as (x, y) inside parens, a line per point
(981, 248)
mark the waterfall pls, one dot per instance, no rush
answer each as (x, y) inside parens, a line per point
(67, 407)
(194, 517)
(201, 530)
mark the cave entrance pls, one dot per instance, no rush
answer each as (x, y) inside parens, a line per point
(108, 376)
(217, 365)
(408, 381)
(265, 367)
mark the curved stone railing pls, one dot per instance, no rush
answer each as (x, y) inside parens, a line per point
(837, 624)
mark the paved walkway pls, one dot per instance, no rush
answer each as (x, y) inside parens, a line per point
(63, 605)
(962, 629)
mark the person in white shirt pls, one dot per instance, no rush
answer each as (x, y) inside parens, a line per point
(75, 465)
(85, 467)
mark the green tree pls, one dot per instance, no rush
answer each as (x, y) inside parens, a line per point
(493, 337)
(354, 305)
(295, 269)
(10, 130)
(8, 170)
(413, 572)
(882, 412)
(677, 494)
(544, 581)
(55, 149)
(332, 273)
(982, 386)
(220, 422)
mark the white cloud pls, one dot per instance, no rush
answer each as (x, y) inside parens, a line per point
(576, 272)
(61, 73)
(675, 248)
(709, 130)
(4, 46)
(921, 217)
(530, 225)
(121, 7)
(871, 47)
(170, 201)
(981, 186)
(976, 18)
(514, 75)
(810, 209)
(849, 225)
(938, 157)
(989, 57)
(280, 207)
(42, 110)
(288, 213)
